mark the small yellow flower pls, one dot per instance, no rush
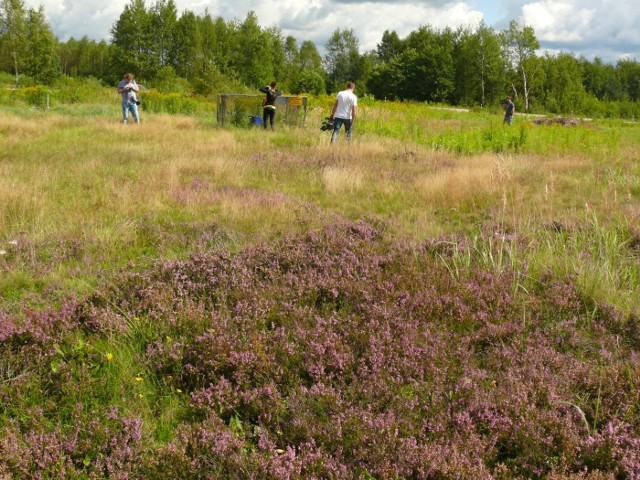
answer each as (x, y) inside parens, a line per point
(140, 395)
(109, 357)
(279, 451)
(178, 390)
(138, 379)
(168, 338)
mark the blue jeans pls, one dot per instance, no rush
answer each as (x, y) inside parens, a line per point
(130, 107)
(337, 123)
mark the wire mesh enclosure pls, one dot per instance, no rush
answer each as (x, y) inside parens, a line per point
(244, 110)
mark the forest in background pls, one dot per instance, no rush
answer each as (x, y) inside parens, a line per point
(201, 55)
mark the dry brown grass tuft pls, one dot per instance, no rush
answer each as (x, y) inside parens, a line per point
(463, 180)
(337, 179)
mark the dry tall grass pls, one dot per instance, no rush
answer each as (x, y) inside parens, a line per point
(107, 184)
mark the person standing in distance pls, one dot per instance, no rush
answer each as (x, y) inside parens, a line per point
(269, 104)
(128, 89)
(344, 112)
(509, 110)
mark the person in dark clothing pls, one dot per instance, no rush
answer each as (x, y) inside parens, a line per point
(509, 110)
(269, 104)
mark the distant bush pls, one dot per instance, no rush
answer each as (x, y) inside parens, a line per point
(156, 102)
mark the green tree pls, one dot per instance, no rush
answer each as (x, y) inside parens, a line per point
(564, 90)
(480, 66)
(389, 47)
(386, 79)
(289, 76)
(187, 51)
(602, 80)
(131, 40)
(630, 77)
(254, 57)
(41, 48)
(342, 61)
(66, 55)
(162, 32)
(428, 66)
(84, 57)
(278, 57)
(311, 78)
(13, 39)
(520, 45)
(222, 46)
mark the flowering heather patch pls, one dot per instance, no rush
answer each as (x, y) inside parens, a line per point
(340, 354)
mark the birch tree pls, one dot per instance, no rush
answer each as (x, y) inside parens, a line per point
(520, 44)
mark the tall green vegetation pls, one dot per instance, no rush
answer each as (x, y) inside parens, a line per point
(520, 44)
(27, 45)
(343, 62)
(480, 69)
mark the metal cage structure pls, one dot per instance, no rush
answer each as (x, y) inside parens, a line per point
(241, 110)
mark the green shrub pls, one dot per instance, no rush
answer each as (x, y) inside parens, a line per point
(156, 102)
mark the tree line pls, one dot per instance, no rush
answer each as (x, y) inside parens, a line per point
(200, 54)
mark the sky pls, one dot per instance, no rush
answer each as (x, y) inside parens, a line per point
(607, 29)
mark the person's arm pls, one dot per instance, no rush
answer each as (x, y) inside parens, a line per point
(264, 89)
(121, 89)
(335, 107)
(133, 86)
(353, 115)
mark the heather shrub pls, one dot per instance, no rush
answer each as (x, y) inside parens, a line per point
(341, 354)
(92, 445)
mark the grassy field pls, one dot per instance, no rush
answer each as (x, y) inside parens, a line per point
(114, 316)
(82, 195)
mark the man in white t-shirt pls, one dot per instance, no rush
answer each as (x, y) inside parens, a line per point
(344, 112)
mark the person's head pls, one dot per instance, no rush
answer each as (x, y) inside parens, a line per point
(508, 99)
(351, 86)
(128, 77)
(273, 85)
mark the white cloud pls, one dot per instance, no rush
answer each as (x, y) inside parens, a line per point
(604, 28)
(554, 21)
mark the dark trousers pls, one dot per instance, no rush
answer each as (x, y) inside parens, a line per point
(268, 114)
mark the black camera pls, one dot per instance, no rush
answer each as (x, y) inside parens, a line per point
(328, 124)
(138, 102)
